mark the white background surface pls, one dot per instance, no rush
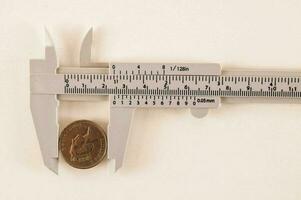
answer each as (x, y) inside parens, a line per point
(236, 152)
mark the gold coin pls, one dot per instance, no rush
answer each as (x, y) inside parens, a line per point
(83, 144)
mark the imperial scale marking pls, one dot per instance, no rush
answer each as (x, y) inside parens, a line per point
(196, 86)
(177, 85)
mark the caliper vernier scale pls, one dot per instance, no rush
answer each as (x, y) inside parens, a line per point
(197, 86)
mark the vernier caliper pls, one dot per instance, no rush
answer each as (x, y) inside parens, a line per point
(197, 86)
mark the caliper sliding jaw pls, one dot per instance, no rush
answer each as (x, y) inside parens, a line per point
(44, 106)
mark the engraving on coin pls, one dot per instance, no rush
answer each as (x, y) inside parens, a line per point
(83, 144)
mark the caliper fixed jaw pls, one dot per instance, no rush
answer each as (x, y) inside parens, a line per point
(44, 107)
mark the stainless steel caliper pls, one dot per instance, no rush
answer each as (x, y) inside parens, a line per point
(197, 86)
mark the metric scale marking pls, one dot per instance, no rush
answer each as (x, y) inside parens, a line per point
(91, 84)
(196, 86)
(190, 91)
